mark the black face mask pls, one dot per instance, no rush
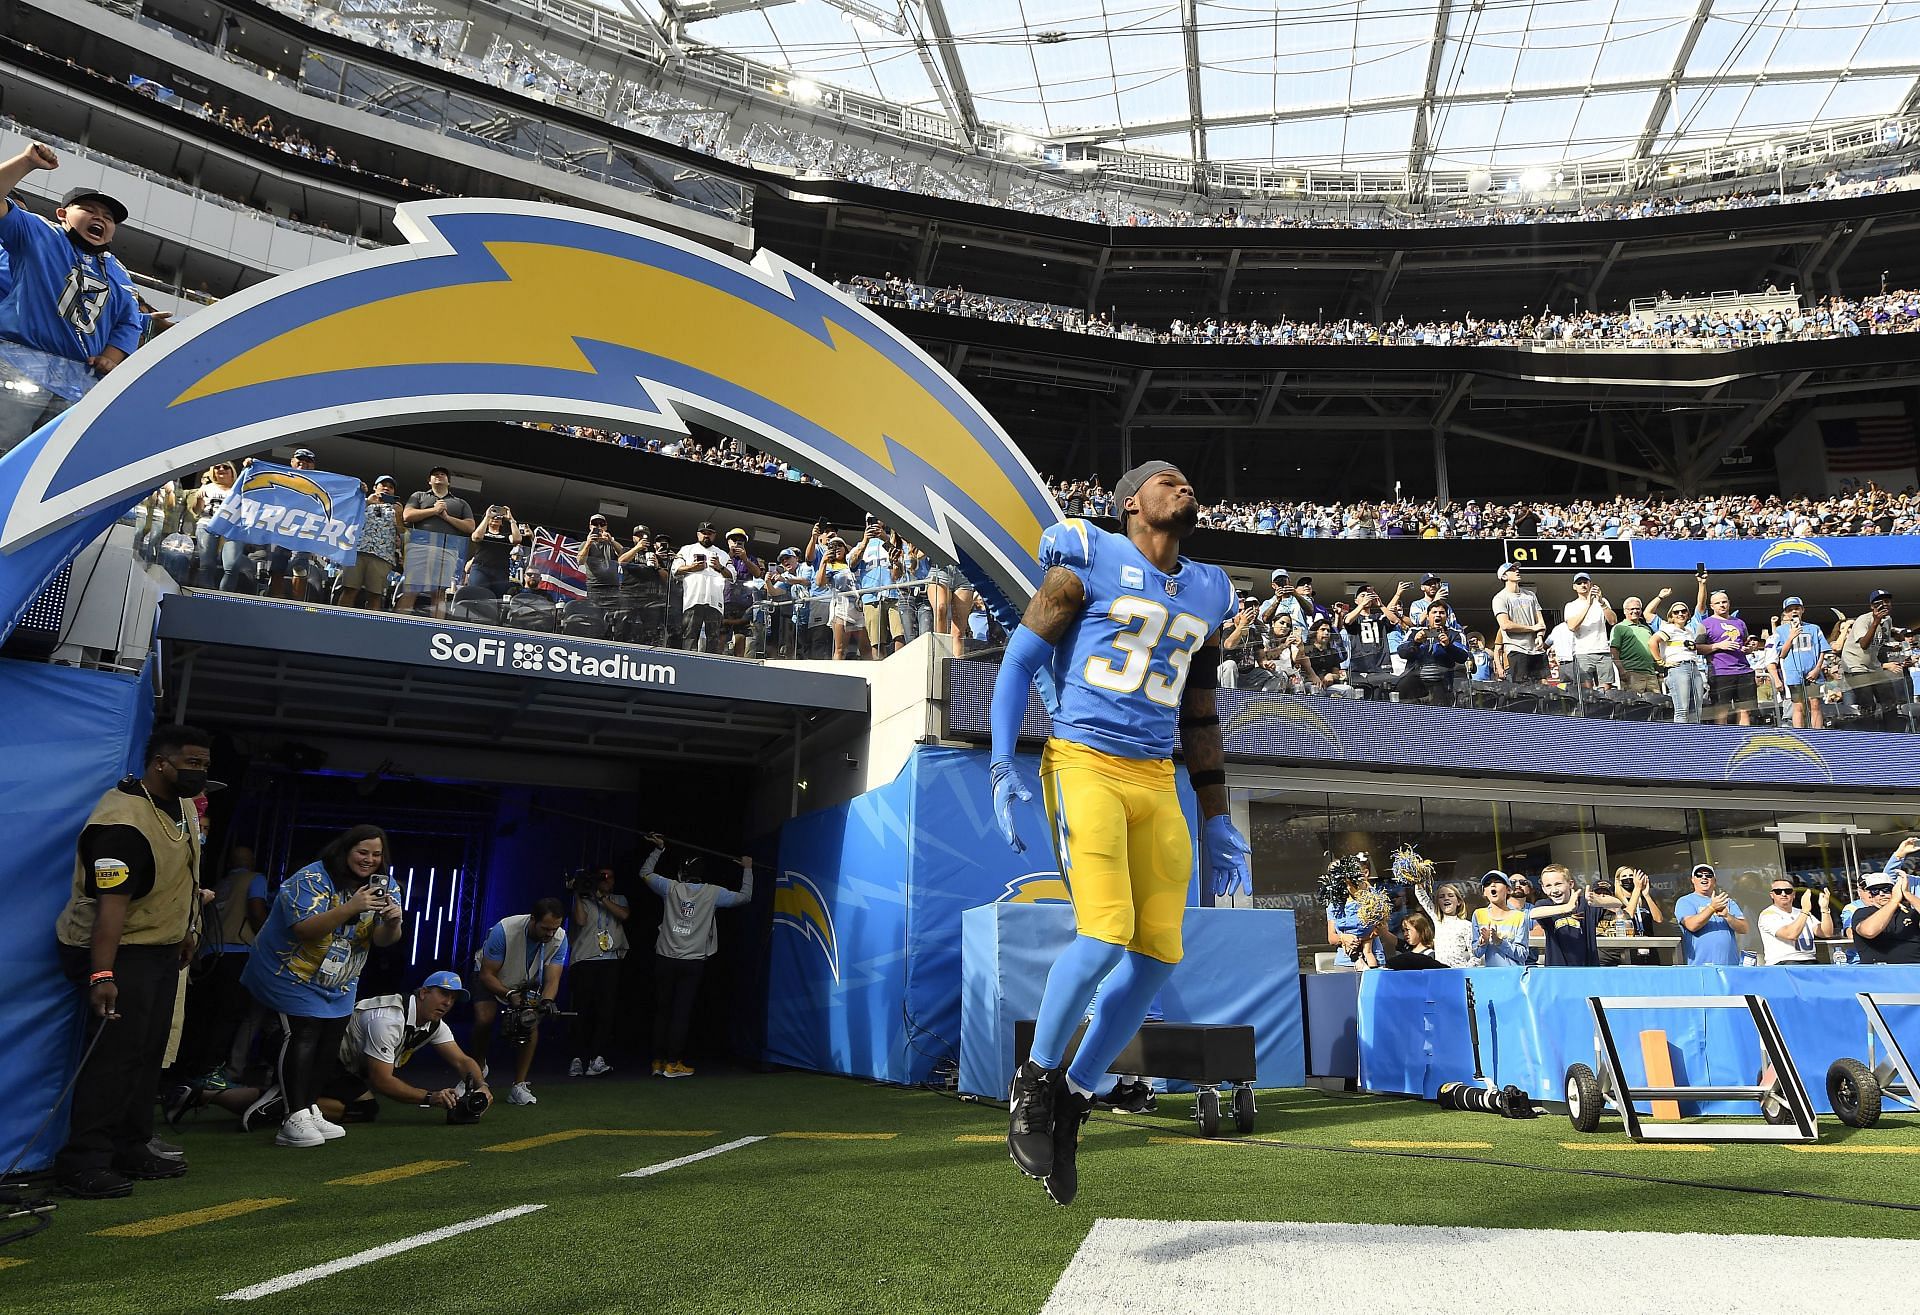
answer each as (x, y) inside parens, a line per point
(80, 243)
(188, 782)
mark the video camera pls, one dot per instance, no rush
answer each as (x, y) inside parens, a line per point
(522, 1013)
(583, 881)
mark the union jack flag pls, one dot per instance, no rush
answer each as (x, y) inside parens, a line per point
(553, 557)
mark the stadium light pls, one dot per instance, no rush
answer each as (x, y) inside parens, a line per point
(1018, 143)
(804, 92)
(1535, 180)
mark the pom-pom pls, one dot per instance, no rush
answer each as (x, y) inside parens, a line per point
(1409, 868)
(1337, 883)
(1375, 907)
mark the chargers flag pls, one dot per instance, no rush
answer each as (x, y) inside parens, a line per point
(523, 311)
(305, 510)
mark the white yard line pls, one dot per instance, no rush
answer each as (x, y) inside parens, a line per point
(1289, 1269)
(367, 1257)
(711, 1151)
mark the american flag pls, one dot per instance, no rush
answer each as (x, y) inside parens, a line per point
(1868, 444)
(552, 556)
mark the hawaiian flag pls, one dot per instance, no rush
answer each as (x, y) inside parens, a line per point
(553, 556)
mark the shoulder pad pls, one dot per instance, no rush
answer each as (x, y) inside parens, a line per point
(1068, 544)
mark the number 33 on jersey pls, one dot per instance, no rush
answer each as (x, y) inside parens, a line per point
(1122, 664)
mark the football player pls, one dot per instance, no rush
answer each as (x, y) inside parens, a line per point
(1128, 632)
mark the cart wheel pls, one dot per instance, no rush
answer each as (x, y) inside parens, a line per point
(1206, 1109)
(1243, 1110)
(1583, 1098)
(1854, 1093)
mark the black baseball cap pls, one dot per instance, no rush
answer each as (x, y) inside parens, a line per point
(1879, 596)
(112, 204)
(704, 527)
(1431, 578)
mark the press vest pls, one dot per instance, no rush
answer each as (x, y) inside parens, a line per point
(163, 915)
(515, 971)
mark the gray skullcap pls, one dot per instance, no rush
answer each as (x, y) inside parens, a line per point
(1131, 482)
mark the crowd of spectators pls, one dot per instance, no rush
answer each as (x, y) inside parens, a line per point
(1642, 658)
(1860, 509)
(546, 75)
(840, 596)
(1677, 328)
(1401, 916)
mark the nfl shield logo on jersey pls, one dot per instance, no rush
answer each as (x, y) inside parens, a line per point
(1173, 588)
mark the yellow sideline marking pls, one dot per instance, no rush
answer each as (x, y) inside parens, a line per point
(1632, 1146)
(1424, 1145)
(375, 1177)
(983, 1138)
(8, 1262)
(837, 1136)
(192, 1218)
(1187, 1141)
(555, 1138)
(1856, 1150)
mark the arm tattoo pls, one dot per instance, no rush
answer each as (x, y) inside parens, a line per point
(1200, 736)
(1061, 598)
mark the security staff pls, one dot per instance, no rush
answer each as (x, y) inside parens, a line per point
(125, 934)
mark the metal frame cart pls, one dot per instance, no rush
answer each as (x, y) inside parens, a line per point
(1858, 1092)
(1780, 1094)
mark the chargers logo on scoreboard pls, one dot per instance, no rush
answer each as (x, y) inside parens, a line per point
(1774, 746)
(1282, 715)
(799, 907)
(507, 310)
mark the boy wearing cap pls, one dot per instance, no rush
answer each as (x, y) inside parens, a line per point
(1129, 631)
(1798, 649)
(1710, 921)
(71, 297)
(382, 1035)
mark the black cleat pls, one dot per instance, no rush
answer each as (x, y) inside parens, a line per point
(1070, 1111)
(1135, 1097)
(96, 1184)
(145, 1164)
(179, 1102)
(1030, 1117)
(265, 1112)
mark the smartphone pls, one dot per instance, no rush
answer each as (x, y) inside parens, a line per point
(1699, 568)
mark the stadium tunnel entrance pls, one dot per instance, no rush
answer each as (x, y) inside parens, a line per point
(501, 763)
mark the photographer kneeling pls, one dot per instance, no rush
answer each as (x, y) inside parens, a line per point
(519, 969)
(382, 1035)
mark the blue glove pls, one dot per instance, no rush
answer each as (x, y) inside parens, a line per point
(1226, 856)
(1009, 787)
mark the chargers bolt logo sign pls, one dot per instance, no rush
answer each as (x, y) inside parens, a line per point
(1774, 747)
(1037, 888)
(504, 310)
(799, 907)
(1794, 548)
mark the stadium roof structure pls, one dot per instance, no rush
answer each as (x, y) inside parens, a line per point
(1400, 86)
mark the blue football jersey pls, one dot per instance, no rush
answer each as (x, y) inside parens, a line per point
(1799, 655)
(63, 301)
(1122, 665)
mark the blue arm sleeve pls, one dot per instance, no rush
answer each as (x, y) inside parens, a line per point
(733, 899)
(1026, 654)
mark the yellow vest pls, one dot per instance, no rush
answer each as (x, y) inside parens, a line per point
(163, 915)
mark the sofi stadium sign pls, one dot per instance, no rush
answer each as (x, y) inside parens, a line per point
(543, 657)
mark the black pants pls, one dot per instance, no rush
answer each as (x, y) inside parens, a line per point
(596, 998)
(1526, 668)
(113, 1099)
(308, 1047)
(216, 1002)
(693, 622)
(1416, 688)
(675, 984)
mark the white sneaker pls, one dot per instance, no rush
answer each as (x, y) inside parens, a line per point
(299, 1130)
(328, 1128)
(574, 1069)
(522, 1094)
(599, 1066)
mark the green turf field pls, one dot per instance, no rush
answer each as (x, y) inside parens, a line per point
(905, 1209)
